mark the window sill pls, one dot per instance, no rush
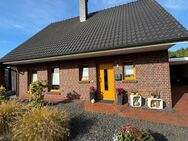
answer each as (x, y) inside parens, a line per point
(84, 82)
(54, 93)
(130, 81)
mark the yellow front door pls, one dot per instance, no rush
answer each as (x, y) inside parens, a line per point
(106, 82)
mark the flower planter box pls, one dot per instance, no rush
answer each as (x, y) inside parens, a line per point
(120, 93)
(155, 103)
(120, 99)
(135, 100)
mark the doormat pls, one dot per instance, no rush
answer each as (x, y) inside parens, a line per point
(106, 101)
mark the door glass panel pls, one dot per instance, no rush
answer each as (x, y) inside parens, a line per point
(106, 79)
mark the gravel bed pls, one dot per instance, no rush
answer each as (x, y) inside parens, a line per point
(86, 126)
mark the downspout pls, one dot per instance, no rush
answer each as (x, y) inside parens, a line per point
(17, 83)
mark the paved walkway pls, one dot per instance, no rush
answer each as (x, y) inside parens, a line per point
(178, 118)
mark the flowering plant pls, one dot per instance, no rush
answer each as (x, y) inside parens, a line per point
(134, 92)
(156, 94)
(92, 89)
(131, 133)
(120, 91)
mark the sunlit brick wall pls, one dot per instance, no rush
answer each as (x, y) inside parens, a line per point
(152, 74)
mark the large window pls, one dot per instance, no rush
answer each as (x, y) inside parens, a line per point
(129, 71)
(84, 73)
(55, 81)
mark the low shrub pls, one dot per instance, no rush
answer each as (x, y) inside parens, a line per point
(42, 124)
(9, 113)
(3, 96)
(36, 90)
(131, 133)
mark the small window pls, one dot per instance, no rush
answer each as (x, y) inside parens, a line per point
(55, 81)
(129, 72)
(84, 73)
(34, 76)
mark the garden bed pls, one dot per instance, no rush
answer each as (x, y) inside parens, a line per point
(87, 126)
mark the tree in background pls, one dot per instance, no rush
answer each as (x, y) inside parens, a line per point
(183, 52)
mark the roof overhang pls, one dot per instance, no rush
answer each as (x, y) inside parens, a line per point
(178, 61)
(139, 49)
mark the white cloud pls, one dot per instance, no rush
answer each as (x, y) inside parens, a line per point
(4, 41)
(18, 26)
(109, 3)
(31, 16)
(175, 4)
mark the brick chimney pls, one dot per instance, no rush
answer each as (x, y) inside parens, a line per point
(83, 10)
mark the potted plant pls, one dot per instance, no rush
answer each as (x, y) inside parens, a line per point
(152, 95)
(92, 94)
(135, 93)
(120, 95)
(156, 94)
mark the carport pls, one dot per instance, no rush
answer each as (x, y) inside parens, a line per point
(8, 79)
(179, 81)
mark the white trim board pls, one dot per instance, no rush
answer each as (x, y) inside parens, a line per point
(178, 61)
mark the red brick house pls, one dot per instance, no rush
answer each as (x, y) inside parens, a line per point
(125, 46)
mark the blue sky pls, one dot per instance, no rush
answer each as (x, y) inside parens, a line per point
(21, 19)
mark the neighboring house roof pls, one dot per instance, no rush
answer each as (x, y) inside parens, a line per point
(139, 23)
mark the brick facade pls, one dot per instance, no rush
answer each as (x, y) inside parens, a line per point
(152, 73)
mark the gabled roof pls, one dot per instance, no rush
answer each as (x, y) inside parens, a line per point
(139, 23)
